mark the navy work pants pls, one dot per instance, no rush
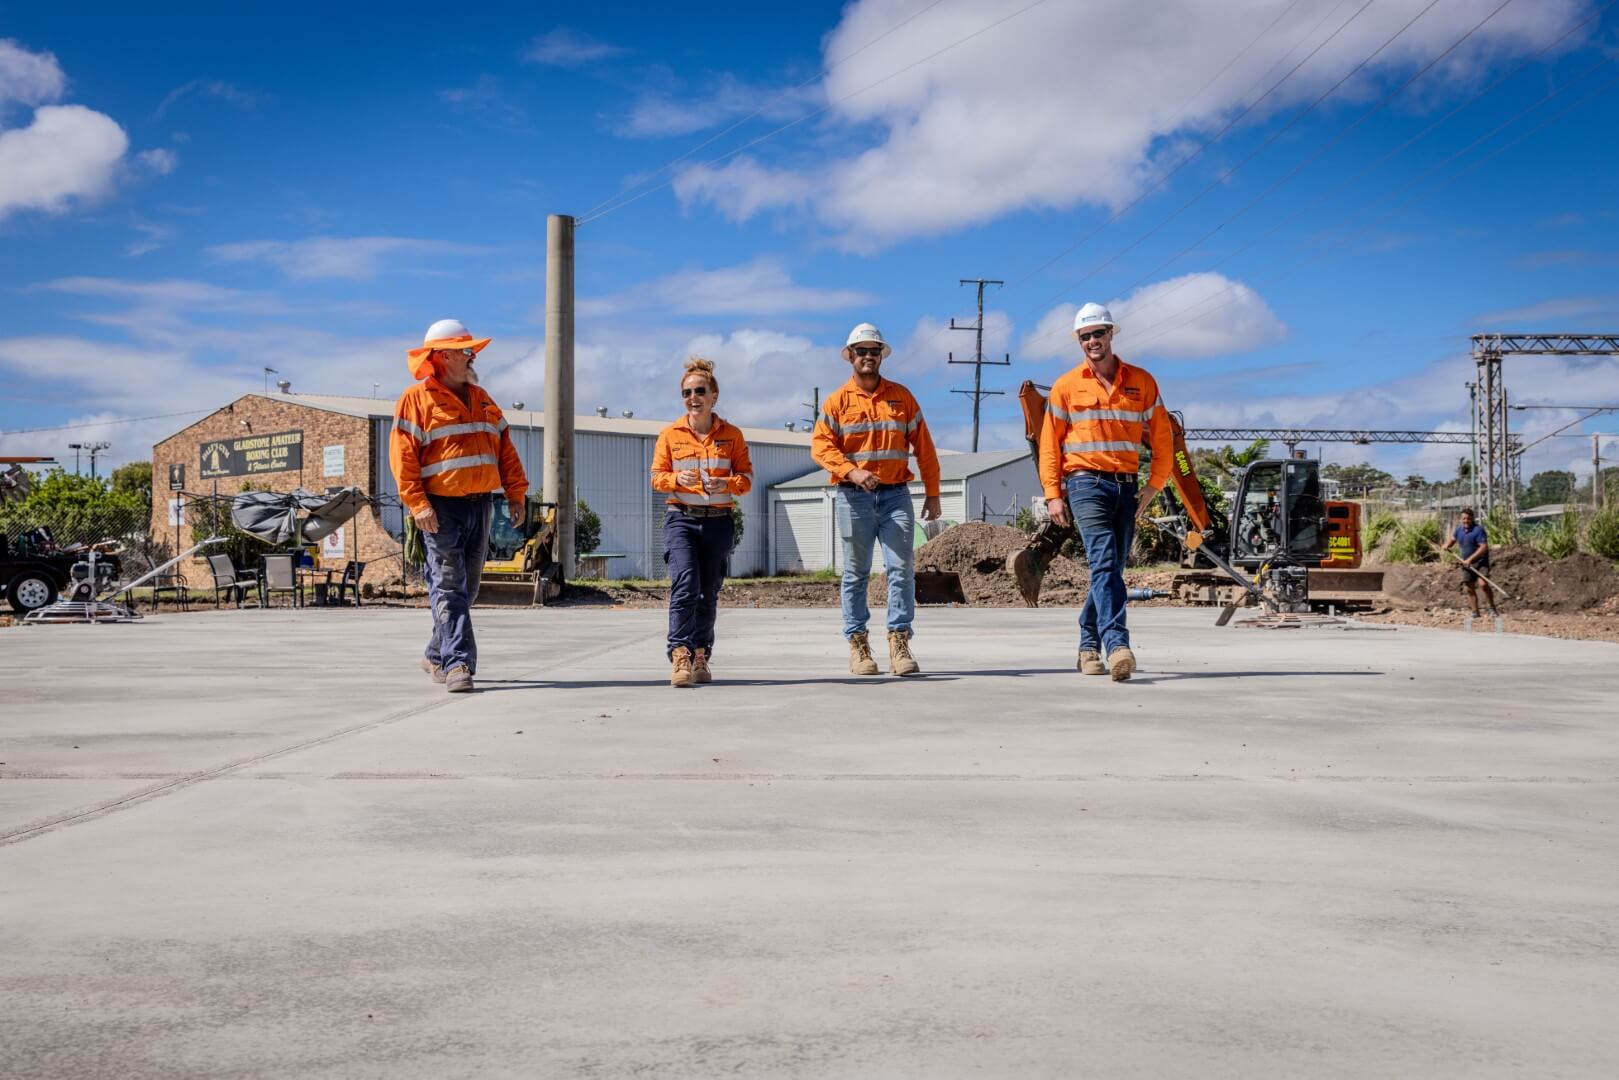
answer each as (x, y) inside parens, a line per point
(455, 558)
(695, 548)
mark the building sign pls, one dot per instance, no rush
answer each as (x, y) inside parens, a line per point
(177, 512)
(331, 460)
(177, 477)
(279, 451)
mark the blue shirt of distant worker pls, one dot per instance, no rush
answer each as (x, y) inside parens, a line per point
(1474, 544)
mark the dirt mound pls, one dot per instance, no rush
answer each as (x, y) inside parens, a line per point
(1581, 582)
(977, 552)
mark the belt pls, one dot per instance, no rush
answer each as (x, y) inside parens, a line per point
(1117, 477)
(880, 487)
(701, 511)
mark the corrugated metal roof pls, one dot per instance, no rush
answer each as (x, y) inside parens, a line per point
(952, 466)
(535, 418)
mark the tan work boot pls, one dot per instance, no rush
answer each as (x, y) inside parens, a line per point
(1090, 663)
(900, 660)
(434, 672)
(458, 680)
(699, 665)
(682, 675)
(1121, 663)
(860, 661)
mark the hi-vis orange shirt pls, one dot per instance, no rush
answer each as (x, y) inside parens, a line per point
(721, 454)
(878, 432)
(444, 446)
(1088, 426)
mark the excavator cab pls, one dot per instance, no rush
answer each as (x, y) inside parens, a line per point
(1278, 516)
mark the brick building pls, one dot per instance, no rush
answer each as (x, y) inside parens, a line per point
(282, 441)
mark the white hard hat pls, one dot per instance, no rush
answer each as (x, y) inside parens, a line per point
(867, 332)
(444, 334)
(1094, 315)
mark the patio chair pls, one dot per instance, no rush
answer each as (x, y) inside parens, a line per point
(228, 577)
(279, 577)
(173, 586)
(350, 582)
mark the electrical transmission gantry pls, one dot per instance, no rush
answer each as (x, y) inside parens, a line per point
(1498, 460)
(1293, 436)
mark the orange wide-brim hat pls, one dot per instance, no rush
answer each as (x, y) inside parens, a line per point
(421, 360)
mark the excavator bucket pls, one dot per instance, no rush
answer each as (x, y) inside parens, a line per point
(935, 586)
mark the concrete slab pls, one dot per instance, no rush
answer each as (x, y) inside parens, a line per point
(263, 844)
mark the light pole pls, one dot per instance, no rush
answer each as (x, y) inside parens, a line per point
(75, 447)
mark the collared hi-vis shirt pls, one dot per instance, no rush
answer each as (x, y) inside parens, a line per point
(1089, 426)
(444, 446)
(878, 431)
(721, 454)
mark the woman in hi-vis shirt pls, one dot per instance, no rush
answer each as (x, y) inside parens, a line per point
(701, 463)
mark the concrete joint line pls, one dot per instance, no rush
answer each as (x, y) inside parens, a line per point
(168, 787)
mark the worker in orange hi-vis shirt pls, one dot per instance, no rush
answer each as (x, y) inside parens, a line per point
(701, 462)
(868, 430)
(1097, 416)
(452, 453)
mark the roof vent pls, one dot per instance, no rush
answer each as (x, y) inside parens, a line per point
(790, 426)
(601, 411)
(283, 385)
(628, 414)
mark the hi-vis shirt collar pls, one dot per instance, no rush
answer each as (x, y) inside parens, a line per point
(444, 395)
(1118, 376)
(882, 384)
(685, 422)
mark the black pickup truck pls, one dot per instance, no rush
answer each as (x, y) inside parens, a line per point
(34, 569)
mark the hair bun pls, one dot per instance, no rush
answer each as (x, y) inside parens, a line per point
(697, 363)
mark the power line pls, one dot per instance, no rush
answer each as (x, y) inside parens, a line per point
(104, 423)
(978, 393)
(822, 110)
(782, 95)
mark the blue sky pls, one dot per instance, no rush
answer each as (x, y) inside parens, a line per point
(1286, 235)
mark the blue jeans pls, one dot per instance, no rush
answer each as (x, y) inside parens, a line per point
(1105, 512)
(885, 517)
(695, 548)
(455, 558)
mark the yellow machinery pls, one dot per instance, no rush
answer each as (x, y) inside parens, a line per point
(525, 556)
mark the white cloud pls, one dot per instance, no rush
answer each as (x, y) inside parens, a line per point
(1066, 104)
(327, 257)
(760, 287)
(569, 48)
(68, 153)
(158, 162)
(210, 88)
(1187, 317)
(29, 78)
(659, 113)
(174, 294)
(1559, 308)
(742, 187)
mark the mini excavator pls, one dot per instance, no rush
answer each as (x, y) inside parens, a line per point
(1280, 531)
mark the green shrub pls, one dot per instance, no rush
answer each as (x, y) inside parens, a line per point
(1024, 522)
(1501, 527)
(1414, 542)
(1378, 526)
(587, 528)
(1602, 532)
(1560, 538)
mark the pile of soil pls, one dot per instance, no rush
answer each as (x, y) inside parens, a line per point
(977, 551)
(1580, 583)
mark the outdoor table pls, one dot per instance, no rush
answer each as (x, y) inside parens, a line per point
(318, 581)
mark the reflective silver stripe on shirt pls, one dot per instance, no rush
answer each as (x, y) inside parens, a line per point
(863, 456)
(1098, 413)
(826, 418)
(403, 425)
(451, 464)
(460, 429)
(1100, 447)
(915, 422)
(501, 427)
(871, 425)
(706, 463)
(702, 500)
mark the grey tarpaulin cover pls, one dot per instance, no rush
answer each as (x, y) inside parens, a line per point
(276, 516)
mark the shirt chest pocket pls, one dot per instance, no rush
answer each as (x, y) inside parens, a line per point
(892, 414)
(1085, 401)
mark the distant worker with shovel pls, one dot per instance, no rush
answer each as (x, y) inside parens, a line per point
(1090, 452)
(864, 438)
(452, 454)
(1474, 544)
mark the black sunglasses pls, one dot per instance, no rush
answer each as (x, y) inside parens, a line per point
(693, 391)
(867, 352)
(1087, 335)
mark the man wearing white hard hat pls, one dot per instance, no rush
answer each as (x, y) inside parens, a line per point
(868, 430)
(1097, 416)
(452, 455)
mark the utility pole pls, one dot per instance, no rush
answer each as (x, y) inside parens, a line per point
(1596, 472)
(93, 449)
(75, 447)
(814, 406)
(978, 393)
(557, 482)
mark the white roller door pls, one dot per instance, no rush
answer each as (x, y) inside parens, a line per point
(802, 532)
